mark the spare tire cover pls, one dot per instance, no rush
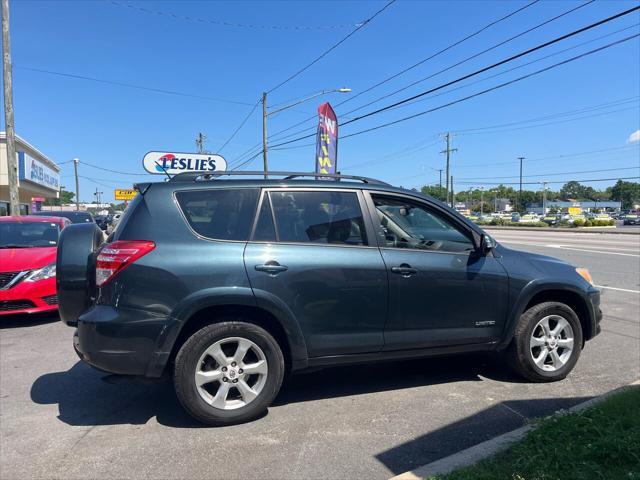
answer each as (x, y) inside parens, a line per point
(75, 269)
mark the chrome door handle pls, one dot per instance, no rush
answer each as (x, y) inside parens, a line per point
(405, 270)
(271, 267)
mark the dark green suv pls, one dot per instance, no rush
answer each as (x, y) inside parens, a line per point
(227, 283)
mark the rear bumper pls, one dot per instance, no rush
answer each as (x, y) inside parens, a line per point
(122, 341)
(29, 298)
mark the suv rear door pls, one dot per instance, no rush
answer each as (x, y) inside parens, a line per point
(312, 248)
(441, 291)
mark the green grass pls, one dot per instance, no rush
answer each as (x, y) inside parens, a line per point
(602, 442)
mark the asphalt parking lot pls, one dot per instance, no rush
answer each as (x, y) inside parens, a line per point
(60, 418)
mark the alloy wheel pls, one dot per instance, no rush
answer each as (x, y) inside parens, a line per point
(551, 343)
(231, 373)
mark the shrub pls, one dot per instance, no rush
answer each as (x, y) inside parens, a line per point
(588, 223)
(578, 222)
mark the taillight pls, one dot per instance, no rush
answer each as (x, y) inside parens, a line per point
(115, 256)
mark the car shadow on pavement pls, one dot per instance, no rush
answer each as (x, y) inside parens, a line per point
(472, 430)
(18, 321)
(353, 380)
(87, 397)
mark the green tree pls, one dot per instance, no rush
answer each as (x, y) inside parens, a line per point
(65, 197)
(434, 190)
(626, 192)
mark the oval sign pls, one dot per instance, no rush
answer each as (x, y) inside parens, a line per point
(177, 162)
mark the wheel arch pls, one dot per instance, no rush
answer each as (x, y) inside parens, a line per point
(210, 305)
(535, 294)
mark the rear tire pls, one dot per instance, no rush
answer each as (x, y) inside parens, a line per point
(546, 343)
(210, 378)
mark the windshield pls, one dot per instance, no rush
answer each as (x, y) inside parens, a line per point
(75, 217)
(28, 234)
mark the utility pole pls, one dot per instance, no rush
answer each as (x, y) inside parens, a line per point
(264, 134)
(544, 198)
(452, 194)
(519, 205)
(75, 169)
(481, 201)
(12, 159)
(440, 188)
(200, 142)
(98, 196)
(448, 152)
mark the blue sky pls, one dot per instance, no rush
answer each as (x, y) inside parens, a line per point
(113, 126)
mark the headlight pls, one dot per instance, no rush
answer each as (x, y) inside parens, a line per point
(584, 273)
(42, 273)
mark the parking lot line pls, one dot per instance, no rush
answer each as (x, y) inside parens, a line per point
(618, 289)
(563, 247)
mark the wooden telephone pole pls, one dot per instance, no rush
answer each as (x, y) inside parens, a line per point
(448, 152)
(12, 158)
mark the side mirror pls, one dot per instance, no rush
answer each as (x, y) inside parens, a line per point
(486, 244)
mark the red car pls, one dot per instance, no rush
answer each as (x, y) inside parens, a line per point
(28, 263)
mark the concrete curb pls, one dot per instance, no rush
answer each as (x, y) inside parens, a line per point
(612, 230)
(492, 446)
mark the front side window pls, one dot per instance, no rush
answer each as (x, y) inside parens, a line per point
(408, 224)
(220, 214)
(319, 217)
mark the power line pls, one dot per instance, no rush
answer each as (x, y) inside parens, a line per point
(225, 23)
(131, 85)
(247, 161)
(589, 180)
(476, 55)
(466, 85)
(235, 132)
(333, 47)
(501, 62)
(420, 62)
(554, 174)
(477, 72)
(502, 85)
(568, 155)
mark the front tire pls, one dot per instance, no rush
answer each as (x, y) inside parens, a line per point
(547, 342)
(228, 372)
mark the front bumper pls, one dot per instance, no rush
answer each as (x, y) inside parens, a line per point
(121, 340)
(29, 298)
(594, 300)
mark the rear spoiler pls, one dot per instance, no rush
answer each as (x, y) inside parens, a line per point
(141, 187)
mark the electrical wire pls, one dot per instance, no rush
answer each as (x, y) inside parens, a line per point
(235, 132)
(224, 23)
(488, 90)
(131, 85)
(589, 180)
(477, 72)
(551, 174)
(420, 62)
(461, 62)
(333, 47)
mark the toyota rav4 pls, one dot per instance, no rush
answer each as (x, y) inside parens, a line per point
(226, 284)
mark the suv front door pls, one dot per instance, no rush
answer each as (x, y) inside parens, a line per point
(441, 291)
(312, 250)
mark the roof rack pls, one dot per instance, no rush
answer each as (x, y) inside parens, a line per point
(199, 176)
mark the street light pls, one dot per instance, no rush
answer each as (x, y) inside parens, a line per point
(265, 114)
(481, 201)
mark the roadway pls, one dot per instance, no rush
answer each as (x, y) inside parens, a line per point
(59, 418)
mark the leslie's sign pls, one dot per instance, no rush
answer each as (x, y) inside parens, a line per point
(176, 162)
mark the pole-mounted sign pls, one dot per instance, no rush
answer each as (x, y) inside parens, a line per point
(327, 140)
(175, 162)
(122, 194)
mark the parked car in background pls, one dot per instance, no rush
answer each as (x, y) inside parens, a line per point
(630, 219)
(28, 263)
(552, 219)
(529, 218)
(245, 280)
(102, 221)
(73, 216)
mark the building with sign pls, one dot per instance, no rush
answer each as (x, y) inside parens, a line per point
(38, 177)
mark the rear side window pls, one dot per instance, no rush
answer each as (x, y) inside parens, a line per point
(220, 214)
(318, 217)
